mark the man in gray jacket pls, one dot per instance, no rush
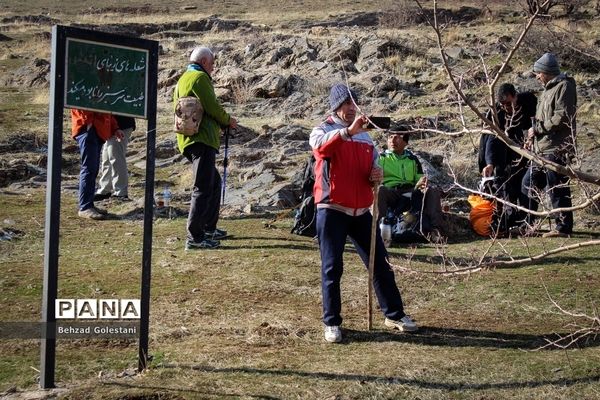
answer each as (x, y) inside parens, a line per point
(552, 137)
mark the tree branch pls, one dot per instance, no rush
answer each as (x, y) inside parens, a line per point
(582, 176)
(489, 263)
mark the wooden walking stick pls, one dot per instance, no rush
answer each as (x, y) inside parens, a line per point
(372, 257)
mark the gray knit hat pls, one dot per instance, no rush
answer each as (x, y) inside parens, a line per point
(339, 94)
(547, 64)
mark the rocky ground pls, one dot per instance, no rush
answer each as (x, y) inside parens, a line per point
(275, 80)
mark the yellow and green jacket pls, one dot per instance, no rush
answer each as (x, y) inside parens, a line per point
(196, 82)
(400, 169)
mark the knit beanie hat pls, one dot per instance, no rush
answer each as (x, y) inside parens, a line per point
(547, 64)
(339, 94)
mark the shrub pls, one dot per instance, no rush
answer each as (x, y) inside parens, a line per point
(405, 14)
(574, 55)
(569, 7)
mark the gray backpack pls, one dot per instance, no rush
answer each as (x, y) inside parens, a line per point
(188, 115)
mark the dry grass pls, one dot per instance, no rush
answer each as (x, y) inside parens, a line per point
(41, 98)
(401, 65)
(244, 321)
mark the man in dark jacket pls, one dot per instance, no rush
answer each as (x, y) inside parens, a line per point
(515, 112)
(553, 138)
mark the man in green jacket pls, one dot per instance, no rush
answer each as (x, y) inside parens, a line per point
(405, 188)
(552, 136)
(201, 148)
(402, 173)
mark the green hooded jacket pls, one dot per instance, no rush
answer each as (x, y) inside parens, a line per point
(555, 116)
(400, 169)
(196, 82)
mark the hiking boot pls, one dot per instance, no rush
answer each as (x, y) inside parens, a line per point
(121, 198)
(217, 234)
(90, 213)
(523, 230)
(405, 324)
(102, 196)
(204, 244)
(100, 210)
(554, 233)
(333, 334)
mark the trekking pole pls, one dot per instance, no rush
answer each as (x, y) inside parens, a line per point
(372, 257)
(225, 161)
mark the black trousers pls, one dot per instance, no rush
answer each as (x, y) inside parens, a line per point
(396, 200)
(508, 186)
(333, 227)
(557, 186)
(206, 192)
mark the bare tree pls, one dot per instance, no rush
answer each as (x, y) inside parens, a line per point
(543, 7)
(591, 192)
(437, 27)
(589, 328)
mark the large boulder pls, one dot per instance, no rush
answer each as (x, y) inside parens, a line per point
(344, 48)
(271, 85)
(373, 47)
(303, 51)
(281, 56)
(34, 74)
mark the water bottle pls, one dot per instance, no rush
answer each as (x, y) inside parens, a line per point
(386, 228)
(167, 197)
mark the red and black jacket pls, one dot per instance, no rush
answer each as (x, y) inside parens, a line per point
(343, 166)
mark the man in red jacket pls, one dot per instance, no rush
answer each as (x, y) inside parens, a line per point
(91, 129)
(345, 171)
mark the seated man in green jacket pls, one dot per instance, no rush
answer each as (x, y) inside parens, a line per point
(405, 187)
(200, 149)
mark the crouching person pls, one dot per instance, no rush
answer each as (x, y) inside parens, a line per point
(406, 190)
(345, 169)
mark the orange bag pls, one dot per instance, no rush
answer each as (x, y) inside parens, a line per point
(481, 214)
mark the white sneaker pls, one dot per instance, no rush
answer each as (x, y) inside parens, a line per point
(333, 334)
(91, 213)
(405, 324)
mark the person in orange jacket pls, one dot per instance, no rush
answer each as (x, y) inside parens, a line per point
(91, 129)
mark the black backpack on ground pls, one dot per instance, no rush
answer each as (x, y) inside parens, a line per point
(415, 231)
(305, 219)
(425, 215)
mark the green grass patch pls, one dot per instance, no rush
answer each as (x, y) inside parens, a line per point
(244, 320)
